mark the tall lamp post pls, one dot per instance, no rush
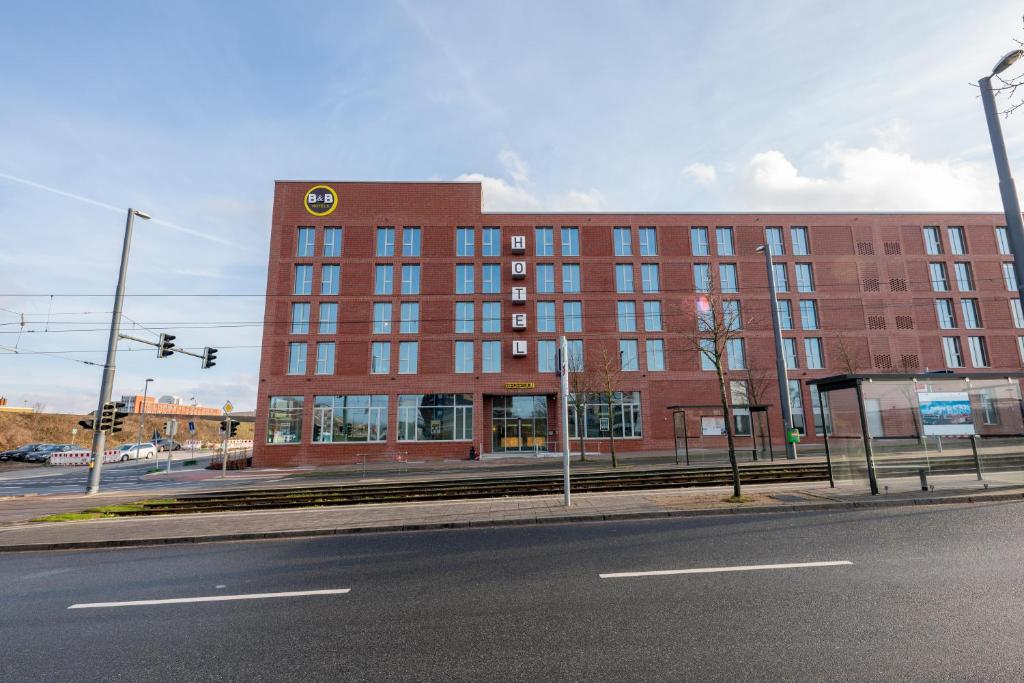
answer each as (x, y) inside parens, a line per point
(1007, 188)
(142, 413)
(780, 356)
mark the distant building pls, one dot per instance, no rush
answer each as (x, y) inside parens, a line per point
(173, 400)
(4, 408)
(133, 404)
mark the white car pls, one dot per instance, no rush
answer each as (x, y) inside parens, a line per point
(136, 451)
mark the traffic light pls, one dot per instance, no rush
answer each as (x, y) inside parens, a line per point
(229, 426)
(234, 428)
(209, 355)
(86, 424)
(166, 345)
(107, 417)
(119, 414)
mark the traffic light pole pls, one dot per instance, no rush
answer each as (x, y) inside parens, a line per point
(99, 437)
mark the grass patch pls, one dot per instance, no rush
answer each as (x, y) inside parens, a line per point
(188, 463)
(154, 470)
(102, 511)
(70, 516)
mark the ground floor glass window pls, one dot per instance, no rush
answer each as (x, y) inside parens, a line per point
(435, 417)
(350, 418)
(624, 421)
(284, 419)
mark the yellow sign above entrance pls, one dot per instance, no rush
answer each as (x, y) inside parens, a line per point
(520, 385)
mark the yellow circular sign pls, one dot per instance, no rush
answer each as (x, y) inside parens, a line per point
(321, 200)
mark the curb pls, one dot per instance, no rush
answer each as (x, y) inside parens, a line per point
(525, 521)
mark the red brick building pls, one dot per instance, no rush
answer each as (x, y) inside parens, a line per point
(390, 327)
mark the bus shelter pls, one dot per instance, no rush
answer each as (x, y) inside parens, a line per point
(712, 424)
(903, 431)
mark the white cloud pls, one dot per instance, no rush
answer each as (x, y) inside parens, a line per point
(702, 174)
(578, 200)
(875, 178)
(502, 195)
(515, 167)
(499, 195)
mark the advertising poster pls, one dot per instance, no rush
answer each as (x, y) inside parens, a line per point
(712, 426)
(946, 413)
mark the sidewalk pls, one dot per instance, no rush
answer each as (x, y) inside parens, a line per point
(234, 526)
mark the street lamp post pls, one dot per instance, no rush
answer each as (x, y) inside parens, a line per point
(1007, 188)
(99, 437)
(780, 357)
(142, 414)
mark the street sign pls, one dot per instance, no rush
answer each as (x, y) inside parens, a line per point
(74, 430)
(228, 407)
(191, 427)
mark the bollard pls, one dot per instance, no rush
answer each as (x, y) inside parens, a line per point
(923, 473)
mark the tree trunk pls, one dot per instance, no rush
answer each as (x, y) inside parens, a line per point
(728, 433)
(611, 429)
(579, 432)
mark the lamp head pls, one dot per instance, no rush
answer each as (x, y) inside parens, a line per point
(760, 249)
(1007, 61)
(141, 214)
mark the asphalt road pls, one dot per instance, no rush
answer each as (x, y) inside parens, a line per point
(930, 594)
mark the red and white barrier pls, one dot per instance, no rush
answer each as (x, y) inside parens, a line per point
(239, 444)
(81, 457)
(192, 443)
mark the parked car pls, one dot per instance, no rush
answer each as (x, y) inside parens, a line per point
(165, 444)
(136, 451)
(20, 452)
(43, 453)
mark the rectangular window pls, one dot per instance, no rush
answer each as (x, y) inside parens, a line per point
(570, 278)
(300, 318)
(623, 241)
(305, 242)
(490, 279)
(789, 351)
(303, 279)
(773, 237)
(804, 277)
(964, 277)
(785, 314)
(410, 317)
(628, 355)
(796, 402)
(545, 278)
(622, 419)
(408, 357)
(410, 279)
(382, 280)
(699, 242)
(575, 347)
(705, 316)
(546, 356)
(809, 314)
(570, 241)
(1020, 348)
(972, 313)
(648, 238)
(979, 353)
(731, 318)
(701, 277)
(464, 317)
(490, 352)
(464, 238)
(545, 316)
(382, 318)
(723, 240)
(464, 356)
(330, 280)
(435, 417)
(297, 358)
(735, 354)
(957, 240)
(627, 316)
(411, 242)
(650, 278)
(798, 236)
(380, 360)
(655, 355)
(624, 278)
(820, 421)
(1003, 240)
(325, 358)
(939, 278)
(1016, 313)
(385, 241)
(707, 354)
(1009, 277)
(652, 316)
(944, 314)
(932, 240)
(781, 276)
(328, 318)
(284, 419)
(332, 242)
(813, 353)
(463, 279)
(727, 278)
(572, 316)
(545, 241)
(953, 352)
(491, 242)
(741, 416)
(337, 419)
(490, 318)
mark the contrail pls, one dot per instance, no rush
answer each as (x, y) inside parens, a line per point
(119, 209)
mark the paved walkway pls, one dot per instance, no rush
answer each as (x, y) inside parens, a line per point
(470, 513)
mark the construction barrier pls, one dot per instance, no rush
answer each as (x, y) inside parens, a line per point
(239, 444)
(192, 443)
(81, 457)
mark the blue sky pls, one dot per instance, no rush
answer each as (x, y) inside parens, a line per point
(190, 111)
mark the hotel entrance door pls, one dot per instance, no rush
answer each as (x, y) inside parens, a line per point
(519, 423)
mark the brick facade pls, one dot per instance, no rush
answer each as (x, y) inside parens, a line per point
(871, 285)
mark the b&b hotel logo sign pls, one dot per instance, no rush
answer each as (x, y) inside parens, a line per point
(321, 200)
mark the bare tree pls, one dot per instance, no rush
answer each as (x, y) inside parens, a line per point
(718, 322)
(580, 385)
(850, 358)
(1006, 87)
(606, 379)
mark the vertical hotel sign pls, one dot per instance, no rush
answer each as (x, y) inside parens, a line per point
(321, 200)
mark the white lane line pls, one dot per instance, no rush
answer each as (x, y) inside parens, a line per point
(210, 598)
(713, 570)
